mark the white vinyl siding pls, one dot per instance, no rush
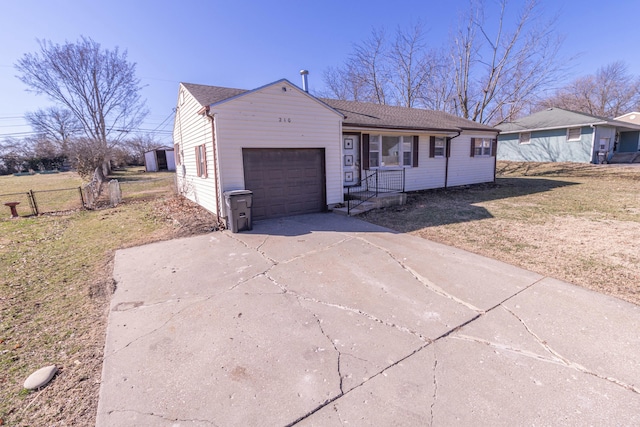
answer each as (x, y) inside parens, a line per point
(275, 118)
(189, 131)
(465, 169)
(430, 171)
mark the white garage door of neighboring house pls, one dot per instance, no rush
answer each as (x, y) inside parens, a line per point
(285, 181)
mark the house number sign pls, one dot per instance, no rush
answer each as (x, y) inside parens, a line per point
(284, 119)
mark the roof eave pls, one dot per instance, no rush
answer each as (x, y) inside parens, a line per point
(407, 128)
(503, 132)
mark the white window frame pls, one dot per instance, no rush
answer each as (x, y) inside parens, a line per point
(574, 138)
(439, 146)
(201, 161)
(524, 138)
(404, 141)
(482, 147)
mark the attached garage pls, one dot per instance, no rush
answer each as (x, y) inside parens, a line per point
(285, 181)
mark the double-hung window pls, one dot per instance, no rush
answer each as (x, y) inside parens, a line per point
(201, 161)
(389, 151)
(482, 147)
(438, 147)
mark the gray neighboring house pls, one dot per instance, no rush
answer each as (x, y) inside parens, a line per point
(558, 135)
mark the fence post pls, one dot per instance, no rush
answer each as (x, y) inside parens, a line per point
(88, 192)
(32, 202)
(81, 197)
(115, 195)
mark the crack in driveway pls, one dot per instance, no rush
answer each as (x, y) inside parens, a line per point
(569, 363)
(162, 417)
(423, 280)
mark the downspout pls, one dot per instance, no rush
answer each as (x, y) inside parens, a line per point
(446, 162)
(495, 159)
(215, 163)
(594, 155)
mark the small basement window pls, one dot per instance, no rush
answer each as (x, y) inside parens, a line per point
(574, 134)
(525, 138)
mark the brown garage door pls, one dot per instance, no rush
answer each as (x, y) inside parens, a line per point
(284, 181)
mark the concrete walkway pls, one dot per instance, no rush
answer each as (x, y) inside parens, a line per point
(322, 320)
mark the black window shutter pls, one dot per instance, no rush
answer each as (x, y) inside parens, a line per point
(473, 147)
(365, 151)
(494, 147)
(447, 142)
(432, 146)
(416, 143)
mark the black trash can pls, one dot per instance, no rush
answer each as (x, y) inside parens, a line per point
(238, 210)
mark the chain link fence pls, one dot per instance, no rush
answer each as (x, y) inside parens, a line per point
(38, 202)
(45, 201)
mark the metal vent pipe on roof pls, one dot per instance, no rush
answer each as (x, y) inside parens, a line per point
(305, 82)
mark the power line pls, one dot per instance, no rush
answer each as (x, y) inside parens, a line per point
(173, 111)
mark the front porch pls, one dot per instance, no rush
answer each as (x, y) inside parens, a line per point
(378, 188)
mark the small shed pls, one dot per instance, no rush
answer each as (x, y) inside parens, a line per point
(160, 159)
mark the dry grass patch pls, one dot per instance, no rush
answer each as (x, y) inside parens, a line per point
(54, 294)
(575, 222)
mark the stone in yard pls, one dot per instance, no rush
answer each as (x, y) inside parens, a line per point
(40, 377)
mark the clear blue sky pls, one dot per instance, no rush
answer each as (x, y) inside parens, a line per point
(246, 44)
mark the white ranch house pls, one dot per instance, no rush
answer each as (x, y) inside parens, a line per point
(301, 154)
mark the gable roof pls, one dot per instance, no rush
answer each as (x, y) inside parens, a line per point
(213, 95)
(207, 95)
(632, 117)
(557, 118)
(357, 114)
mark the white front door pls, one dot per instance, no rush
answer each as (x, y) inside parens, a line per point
(351, 159)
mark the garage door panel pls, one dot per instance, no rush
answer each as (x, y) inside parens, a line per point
(285, 181)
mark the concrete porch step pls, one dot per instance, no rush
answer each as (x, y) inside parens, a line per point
(381, 201)
(362, 208)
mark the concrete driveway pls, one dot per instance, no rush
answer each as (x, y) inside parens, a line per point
(322, 320)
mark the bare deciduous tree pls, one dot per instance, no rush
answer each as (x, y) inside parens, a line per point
(412, 66)
(97, 85)
(57, 125)
(499, 69)
(364, 76)
(610, 92)
(384, 72)
(493, 70)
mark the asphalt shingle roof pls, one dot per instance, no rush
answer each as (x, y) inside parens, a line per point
(207, 95)
(554, 118)
(361, 114)
(364, 114)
